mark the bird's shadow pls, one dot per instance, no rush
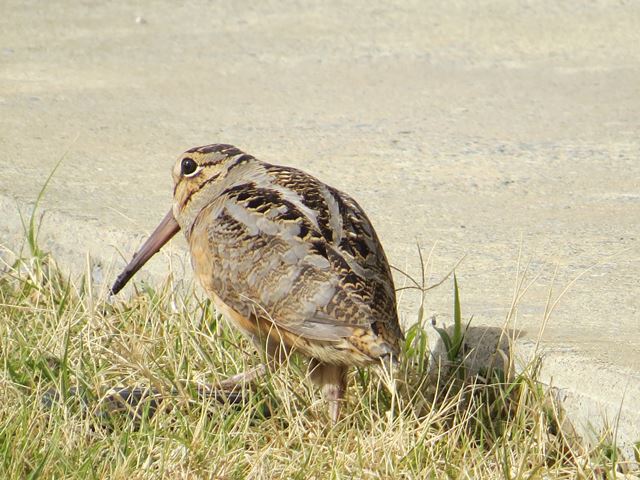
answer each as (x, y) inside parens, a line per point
(484, 348)
(483, 368)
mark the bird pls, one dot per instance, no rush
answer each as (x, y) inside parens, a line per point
(292, 262)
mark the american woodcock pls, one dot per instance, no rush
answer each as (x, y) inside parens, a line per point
(292, 262)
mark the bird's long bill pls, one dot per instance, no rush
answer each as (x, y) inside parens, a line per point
(162, 234)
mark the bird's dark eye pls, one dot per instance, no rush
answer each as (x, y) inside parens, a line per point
(188, 166)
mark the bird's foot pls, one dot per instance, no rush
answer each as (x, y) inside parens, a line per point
(240, 380)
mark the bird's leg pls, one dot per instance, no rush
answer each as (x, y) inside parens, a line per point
(332, 380)
(275, 352)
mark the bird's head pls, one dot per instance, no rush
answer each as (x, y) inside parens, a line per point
(198, 177)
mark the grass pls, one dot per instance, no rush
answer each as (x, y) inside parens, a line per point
(58, 334)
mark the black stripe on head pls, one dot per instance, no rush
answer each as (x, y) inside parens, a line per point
(228, 150)
(214, 147)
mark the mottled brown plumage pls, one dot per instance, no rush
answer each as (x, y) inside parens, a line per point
(293, 263)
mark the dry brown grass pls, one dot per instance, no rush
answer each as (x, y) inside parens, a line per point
(60, 334)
